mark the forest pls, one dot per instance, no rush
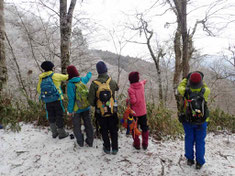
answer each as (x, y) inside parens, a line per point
(163, 40)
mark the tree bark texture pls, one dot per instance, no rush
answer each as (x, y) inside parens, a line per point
(183, 49)
(65, 32)
(3, 67)
(156, 62)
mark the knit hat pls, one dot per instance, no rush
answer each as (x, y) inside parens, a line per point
(101, 67)
(47, 66)
(72, 71)
(195, 80)
(134, 77)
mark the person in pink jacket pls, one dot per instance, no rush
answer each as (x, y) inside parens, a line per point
(138, 105)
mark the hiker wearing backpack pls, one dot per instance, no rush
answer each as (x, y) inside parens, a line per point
(52, 95)
(102, 96)
(78, 106)
(138, 105)
(194, 116)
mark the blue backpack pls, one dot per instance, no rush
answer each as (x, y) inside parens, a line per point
(49, 92)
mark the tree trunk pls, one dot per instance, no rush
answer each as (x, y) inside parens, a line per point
(3, 67)
(65, 34)
(178, 68)
(181, 48)
(185, 37)
(157, 65)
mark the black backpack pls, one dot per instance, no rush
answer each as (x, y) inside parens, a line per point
(195, 106)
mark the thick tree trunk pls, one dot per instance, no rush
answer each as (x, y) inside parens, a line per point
(178, 68)
(181, 47)
(65, 34)
(178, 56)
(3, 67)
(185, 38)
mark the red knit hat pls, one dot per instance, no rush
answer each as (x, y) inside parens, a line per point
(195, 80)
(134, 77)
(72, 71)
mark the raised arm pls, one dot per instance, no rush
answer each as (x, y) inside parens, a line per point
(86, 79)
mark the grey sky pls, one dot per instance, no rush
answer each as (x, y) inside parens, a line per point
(110, 15)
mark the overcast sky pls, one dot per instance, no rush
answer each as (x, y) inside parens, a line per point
(113, 15)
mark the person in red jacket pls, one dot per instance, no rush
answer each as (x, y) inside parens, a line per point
(137, 101)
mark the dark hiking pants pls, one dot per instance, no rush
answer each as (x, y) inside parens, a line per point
(85, 116)
(108, 125)
(55, 113)
(142, 122)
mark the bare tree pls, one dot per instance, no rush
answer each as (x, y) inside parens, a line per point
(183, 40)
(231, 60)
(119, 42)
(143, 27)
(3, 67)
(65, 33)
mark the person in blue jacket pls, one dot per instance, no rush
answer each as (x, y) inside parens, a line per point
(1, 127)
(75, 111)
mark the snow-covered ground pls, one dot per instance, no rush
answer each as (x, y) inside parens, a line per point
(33, 152)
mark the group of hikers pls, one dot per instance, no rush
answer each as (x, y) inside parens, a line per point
(101, 95)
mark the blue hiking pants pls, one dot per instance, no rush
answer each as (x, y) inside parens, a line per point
(195, 134)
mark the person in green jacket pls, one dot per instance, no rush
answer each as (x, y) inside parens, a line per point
(195, 93)
(107, 124)
(51, 82)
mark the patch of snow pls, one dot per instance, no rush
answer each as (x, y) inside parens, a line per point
(34, 152)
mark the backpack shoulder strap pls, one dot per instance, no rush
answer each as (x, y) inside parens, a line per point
(202, 91)
(108, 81)
(97, 82)
(187, 92)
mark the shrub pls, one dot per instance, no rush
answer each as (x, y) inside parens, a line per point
(161, 122)
(8, 114)
(220, 120)
(13, 113)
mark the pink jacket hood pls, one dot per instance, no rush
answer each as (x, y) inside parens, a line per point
(137, 98)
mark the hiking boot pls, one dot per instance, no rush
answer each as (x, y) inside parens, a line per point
(81, 144)
(145, 136)
(136, 143)
(114, 152)
(198, 166)
(190, 162)
(54, 131)
(136, 146)
(62, 133)
(145, 147)
(106, 150)
(88, 143)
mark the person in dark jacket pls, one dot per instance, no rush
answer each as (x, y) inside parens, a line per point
(109, 124)
(195, 133)
(77, 113)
